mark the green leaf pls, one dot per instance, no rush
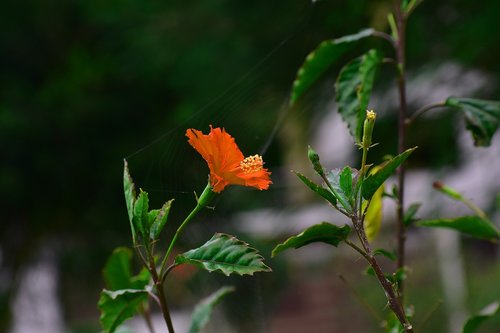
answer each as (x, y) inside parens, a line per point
(118, 306)
(374, 181)
(117, 271)
(319, 60)
(481, 117)
(324, 232)
(388, 254)
(160, 220)
(130, 196)
(353, 90)
(393, 325)
(334, 178)
(470, 225)
(326, 194)
(473, 322)
(227, 254)
(410, 213)
(140, 218)
(203, 309)
(345, 182)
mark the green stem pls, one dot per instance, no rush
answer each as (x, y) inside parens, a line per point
(202, 202)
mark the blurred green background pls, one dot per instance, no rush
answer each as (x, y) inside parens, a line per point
(84, 84)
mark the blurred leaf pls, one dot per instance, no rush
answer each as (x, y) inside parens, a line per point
(324, 232)
(373, 218)
(130, 196)
(388, 254)
(326, 194)
(392, 324)
(203, 309)
(373, 182)
(481, 117)
(353, 89)
(475, 321)
(117, 271)
(470, 225)
(334, 179)
(160, 220)
(118, 306)
(319, 60)
(410, 213)
(140, 218)
(227, 254)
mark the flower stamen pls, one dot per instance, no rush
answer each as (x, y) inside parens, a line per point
(251, 164)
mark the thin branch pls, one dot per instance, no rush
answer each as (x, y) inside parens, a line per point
(423, 110)
(430, 313)
(360, 299)
(385, 36)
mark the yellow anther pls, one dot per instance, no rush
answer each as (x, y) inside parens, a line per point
(252, 164)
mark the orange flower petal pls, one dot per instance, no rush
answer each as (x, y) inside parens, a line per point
(225, 160)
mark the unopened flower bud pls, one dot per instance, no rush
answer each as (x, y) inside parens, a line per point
(314, 158)
(368, 128)
(441, 187)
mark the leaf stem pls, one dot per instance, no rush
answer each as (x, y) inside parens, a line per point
(161, 295)
(423, 110)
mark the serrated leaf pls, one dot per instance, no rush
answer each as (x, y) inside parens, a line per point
(470, 225)
(481, 117)
(130, 196)
(324, 232)
(374, 181)
(388, 254)
(160, 220)
(410, 213)
(475, 321)
(334, 180)
(203, 310)
(140, 218)
(118, 306)
(227, 254)
(319, 60)
(326, 194)
(353, 90)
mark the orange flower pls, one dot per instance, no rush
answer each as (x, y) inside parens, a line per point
(226, 161)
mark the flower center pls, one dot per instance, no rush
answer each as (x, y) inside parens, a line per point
(252, 164)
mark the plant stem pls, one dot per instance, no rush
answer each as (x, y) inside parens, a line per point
(401, 60)
(395, 303)
(161, 295)
(201, 202)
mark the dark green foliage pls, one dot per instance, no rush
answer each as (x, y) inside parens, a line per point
(324, 232)
(374, 181)
(319, 60)
(481, 117)
(353, 89)
(471, 225)
(227, 254)
(325, 193)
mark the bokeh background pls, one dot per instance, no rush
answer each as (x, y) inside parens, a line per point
(85, 84)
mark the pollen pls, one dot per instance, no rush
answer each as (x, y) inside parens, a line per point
(251, 164)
